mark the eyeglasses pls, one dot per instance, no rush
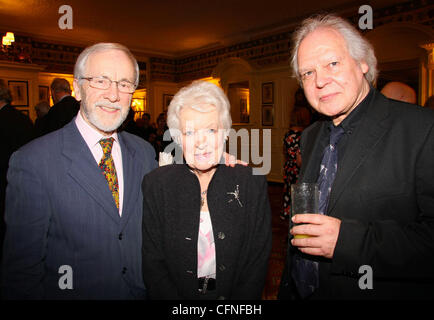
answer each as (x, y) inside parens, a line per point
(105, 83)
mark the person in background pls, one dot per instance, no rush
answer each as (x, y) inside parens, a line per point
(291, 147)
(41, 108)
(16, 129)
(146, 126)
(373, 235)
(206, 226)
(130, 125)
(399, 91)
(65, 106)
(161, 127)
(429, 103)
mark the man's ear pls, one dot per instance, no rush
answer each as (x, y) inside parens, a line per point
(364, 67)
(77, 89)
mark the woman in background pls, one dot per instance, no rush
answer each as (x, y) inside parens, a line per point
(291, 147)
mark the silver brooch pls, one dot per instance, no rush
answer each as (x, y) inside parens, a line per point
(236, 195)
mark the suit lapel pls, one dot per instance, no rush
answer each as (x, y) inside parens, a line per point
(85, 171)
(312, 152)
(365, 139)
(132, 168)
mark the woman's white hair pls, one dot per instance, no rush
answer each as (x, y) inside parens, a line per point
(358, 47)
(196, 95)
(80, 64)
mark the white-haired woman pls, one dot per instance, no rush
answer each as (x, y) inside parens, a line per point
(206, 226)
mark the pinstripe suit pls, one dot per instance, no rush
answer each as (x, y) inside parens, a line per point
(60, 211)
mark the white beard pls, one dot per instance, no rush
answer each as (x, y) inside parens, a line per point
(92, 116)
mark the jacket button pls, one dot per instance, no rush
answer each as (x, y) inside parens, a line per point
(120, 236)
(124, 270)
(221, 235)
(222, 267)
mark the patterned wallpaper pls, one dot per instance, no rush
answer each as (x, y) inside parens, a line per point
(266, 51)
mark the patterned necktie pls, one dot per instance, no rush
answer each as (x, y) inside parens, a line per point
(305, 271)
(107, 166)
(329, 166)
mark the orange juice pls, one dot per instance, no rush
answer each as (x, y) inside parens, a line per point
(301, 236)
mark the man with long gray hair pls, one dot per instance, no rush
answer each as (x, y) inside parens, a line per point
(373, 236)
(74, 203)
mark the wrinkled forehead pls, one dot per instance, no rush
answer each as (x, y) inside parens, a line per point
(319, 41)
(199, 116)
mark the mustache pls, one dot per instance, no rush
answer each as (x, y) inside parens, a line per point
(108, 104)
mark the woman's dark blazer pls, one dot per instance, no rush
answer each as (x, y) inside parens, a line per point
(241, 227)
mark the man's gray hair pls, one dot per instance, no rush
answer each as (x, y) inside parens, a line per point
(358, 47)
(194, 96)
(80, 64)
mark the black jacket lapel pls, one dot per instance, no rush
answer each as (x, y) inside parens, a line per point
(366, 137)
(312, 151)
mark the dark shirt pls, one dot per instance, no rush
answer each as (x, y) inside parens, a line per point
(349, 124)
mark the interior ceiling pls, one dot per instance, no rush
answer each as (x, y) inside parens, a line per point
(170, 28)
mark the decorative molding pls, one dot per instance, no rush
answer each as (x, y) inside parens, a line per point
(274, 50)
(267, 51)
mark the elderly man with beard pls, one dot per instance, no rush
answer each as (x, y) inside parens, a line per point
(74, 204)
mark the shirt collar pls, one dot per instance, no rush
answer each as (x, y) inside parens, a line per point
(351, 121)
(90, 134)
(63, 97)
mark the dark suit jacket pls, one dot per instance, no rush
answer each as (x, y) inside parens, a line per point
(60, 211)
(16, 129)
(384, 196)
(59, 115)
(171, 226)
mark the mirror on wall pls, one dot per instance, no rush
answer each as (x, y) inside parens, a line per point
(239, 98)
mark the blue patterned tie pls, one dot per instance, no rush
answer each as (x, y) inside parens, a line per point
(329, 166)
(305, 271)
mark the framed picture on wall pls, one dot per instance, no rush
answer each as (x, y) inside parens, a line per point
(244, 116)
(166, 101)
(20, 93)
(268, 93)
(44, 93)
(24, 111)
(267, 115)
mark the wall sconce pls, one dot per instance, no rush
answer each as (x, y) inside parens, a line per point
(8, 39)
(6, 48)
(138, 106)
